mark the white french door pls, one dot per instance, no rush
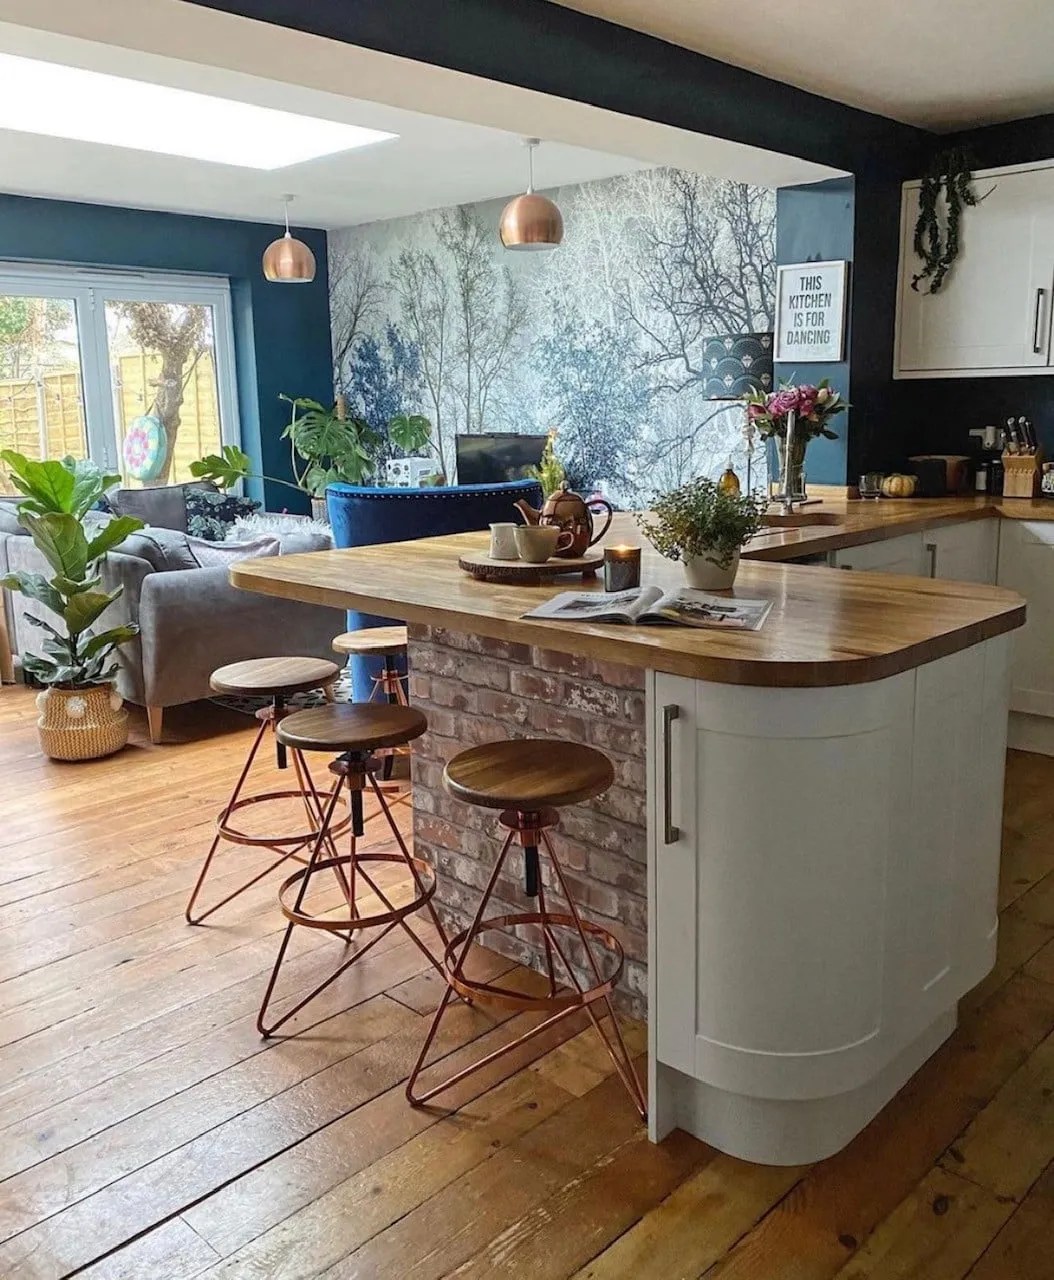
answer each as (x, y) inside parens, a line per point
(85, 353)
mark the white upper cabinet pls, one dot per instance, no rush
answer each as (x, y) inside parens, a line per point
(993, 314)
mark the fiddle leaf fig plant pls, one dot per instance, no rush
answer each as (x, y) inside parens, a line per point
(57, 499)
(699, 520)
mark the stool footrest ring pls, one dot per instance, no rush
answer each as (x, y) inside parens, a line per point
(280, 841)
(471, 989)
(350, 863)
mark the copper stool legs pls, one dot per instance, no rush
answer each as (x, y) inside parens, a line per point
(354, 771)
(389, 685)
(530, 831)
(285, 846)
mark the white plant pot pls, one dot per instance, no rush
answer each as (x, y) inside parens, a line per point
(705, 574)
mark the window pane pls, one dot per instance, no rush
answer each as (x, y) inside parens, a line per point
(41, 389)
(163, 366)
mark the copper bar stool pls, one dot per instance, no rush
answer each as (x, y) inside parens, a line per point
(529, 779)
(388, 643)
(277, 679)
(357, 731)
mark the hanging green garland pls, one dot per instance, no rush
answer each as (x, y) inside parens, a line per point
(938, 246)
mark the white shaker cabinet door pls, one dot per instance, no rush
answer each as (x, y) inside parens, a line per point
(993, 311)
(893, 555)
(1026, 565)
(962, 552)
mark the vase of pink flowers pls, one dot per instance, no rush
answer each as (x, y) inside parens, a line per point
(812, 408)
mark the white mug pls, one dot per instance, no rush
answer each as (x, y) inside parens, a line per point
(503, 542)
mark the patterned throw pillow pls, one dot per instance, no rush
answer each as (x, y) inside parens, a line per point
(210, 515)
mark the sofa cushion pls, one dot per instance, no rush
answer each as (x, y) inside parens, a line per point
(208, 553)
(211, 514)
(161, 507)
(162, 549)
(9, 516)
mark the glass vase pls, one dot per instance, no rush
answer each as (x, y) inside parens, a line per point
(792, 467)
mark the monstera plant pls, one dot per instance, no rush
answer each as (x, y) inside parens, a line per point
(81, 714)
(326, 446)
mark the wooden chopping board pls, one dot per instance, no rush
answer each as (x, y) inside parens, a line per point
(520, 573)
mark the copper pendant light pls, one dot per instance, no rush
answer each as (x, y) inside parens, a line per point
(531, 221)
(288, 260)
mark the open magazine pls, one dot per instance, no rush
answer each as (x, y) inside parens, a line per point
(651, 606)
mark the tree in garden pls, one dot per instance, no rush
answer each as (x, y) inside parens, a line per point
(179, 336)
(29, 334)
(598, 397)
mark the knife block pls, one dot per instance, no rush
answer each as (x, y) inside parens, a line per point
(1021, 474)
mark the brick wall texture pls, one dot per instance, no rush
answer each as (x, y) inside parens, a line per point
(476, 690)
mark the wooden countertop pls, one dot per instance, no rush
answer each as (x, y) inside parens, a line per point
(827, 627)
(874, 521)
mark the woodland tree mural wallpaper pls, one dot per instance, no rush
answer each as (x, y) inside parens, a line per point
(601, 339)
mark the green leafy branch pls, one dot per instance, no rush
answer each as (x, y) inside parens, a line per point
(937, 246)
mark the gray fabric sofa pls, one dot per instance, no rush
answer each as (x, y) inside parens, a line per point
(191, 620)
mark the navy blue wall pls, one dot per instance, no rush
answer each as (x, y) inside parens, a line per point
(814, 223)
(281, 332)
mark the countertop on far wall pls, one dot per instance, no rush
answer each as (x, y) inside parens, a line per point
(873, 521)
(826, 627)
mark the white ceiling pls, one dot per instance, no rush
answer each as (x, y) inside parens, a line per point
(459, 136)
(939, 64)
(432, 163)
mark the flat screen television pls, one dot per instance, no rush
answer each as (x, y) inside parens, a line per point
(496, 457)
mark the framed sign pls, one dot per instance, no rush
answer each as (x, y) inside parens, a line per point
(810, 312)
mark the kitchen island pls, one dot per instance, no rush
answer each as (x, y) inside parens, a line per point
(800, 852)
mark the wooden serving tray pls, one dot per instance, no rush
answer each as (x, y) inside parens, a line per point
(520, 573)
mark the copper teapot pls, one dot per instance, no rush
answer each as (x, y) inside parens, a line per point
(570, 512)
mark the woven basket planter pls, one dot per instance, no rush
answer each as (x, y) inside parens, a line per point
(81, 724)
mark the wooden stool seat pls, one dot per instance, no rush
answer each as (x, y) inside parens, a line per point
(360, 727)
(269, 676)
(376, 642)
(528, 774)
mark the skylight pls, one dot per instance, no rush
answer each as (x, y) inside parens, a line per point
(90, 106)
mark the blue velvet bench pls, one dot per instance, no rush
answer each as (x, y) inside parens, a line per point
(362, 517)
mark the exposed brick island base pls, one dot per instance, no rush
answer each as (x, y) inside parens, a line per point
(476, 690)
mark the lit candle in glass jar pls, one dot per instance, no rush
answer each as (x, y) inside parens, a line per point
(621, 568)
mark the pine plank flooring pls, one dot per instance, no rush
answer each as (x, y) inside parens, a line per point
(147, 1133)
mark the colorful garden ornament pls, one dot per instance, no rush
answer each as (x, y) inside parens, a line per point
(145, 448)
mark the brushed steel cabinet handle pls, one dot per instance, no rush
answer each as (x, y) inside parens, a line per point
(670, 833)
(1037, 340)
(931, 548)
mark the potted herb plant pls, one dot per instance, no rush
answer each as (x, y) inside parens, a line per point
(705, 527)
(325, 446)
(81, 714)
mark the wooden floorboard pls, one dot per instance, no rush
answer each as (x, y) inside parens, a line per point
(148, 1133)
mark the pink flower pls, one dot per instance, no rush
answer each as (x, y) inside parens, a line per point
(783, 402)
